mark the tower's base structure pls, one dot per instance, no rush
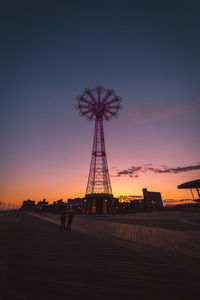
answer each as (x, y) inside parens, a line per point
(99, 204)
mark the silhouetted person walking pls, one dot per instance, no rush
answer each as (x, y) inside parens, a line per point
(17, 217)
(69, 223)
(62, 221)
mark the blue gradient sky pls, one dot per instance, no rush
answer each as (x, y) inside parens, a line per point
(51, 50)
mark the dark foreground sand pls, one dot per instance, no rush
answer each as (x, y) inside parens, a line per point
(128, 257)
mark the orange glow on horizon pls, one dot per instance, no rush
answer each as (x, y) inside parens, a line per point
(15, 194)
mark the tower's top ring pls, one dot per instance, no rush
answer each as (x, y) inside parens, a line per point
(98, 103)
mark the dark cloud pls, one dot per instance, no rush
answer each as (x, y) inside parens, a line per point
(164, 169)
(176, 170)
(173, 201)
(129, 171)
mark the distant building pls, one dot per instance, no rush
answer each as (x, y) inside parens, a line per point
(28, 204)
(152, 200)
(116, 201)
(59, 202)
(137, 204)
(60, 205)
(42, 203)
(76, 202)
(128, 198)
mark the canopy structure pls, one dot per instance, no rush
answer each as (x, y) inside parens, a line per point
(195, 184)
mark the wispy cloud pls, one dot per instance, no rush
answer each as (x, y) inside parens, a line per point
(153, 110)
(175, 170)
(133, 171)
(171, 201)
(129, 171)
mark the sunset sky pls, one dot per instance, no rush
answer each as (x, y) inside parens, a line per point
(148, 51)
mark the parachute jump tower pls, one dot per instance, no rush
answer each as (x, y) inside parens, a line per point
(99, 104)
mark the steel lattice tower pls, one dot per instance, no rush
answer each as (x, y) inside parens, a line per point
(99, 104)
